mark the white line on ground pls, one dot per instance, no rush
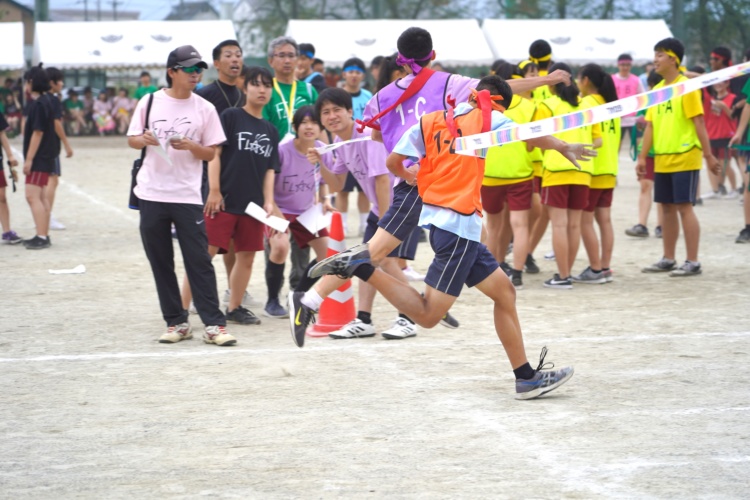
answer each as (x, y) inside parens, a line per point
(362, 348)
(96, 201)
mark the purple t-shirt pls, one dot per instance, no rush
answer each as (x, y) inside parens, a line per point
(365, 160)
(294, 191)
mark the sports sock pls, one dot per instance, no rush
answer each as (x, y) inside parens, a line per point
(407, 318)
(596, 271)
(312, 299)
(307, 282)
(344, 219)
(747, 227)
(525, 371)
(364, 271)
(605, 269)
(363, 221)
(364, 317)
(274, 279)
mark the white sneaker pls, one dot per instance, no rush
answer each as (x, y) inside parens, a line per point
(247, 299)
(353, 330)
(55, 225)
(412, 275)
(176, 333)
(217, 334)
(192, 309)
(731, 195)
(549, 255)
(401, 329)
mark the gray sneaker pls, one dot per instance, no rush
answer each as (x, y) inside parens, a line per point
(687, 269)
(543, 381)
(663, 266)
(744, 236)
(342, 264)
(590, 277)
(274, 309)
(657, 232)
(637, 231)
(608, 276)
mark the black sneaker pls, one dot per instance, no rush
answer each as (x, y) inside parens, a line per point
(637, 231)
(557, 282)
(37, 243)
(242, 316)
(449, 321)
(530, 266)
(300, 316)
(516, 279)
(744, 236)
(342, 264)
(657, 232)
(506, 268)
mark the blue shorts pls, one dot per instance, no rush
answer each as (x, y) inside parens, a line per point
(403, 214)
(56, 171)
(458, 261)
(371, 228)
(408, 248)
(351, 184)
(676, 187)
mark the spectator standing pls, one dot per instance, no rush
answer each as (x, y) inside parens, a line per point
(627, 84)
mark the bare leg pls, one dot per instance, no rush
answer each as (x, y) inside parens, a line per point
(539, 228)
(670, 229)
(574, 236)
(506, 234)
(590, 240)
(4, 211)
(519, 222)
(644, 201)
(494, 224)
(37, 200)
(51, 189)
(229, 260)
(239, 278)
(691, 229)
(607, 233)
(559, 219)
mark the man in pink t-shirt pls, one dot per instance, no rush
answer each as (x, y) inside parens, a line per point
(627, 84)
(181, 132)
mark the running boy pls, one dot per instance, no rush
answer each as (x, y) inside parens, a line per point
(450, 187)
(678, 134)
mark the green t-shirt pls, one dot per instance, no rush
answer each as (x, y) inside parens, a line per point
(71, 104)
(275, 111)
(141, 91)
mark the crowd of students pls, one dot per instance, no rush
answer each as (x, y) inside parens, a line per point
(251, 137)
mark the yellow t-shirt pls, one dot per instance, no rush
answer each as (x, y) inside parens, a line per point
(676, 146)
(606, 162)
(573, 176)
(541, 93)
(511, 163)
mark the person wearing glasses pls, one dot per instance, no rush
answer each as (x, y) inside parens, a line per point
(182, 131)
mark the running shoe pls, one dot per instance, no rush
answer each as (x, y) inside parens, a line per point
(543, 381)
(11, 238)
(557, 282)
(176, 333)
(506, 268)
(590, 277)
(37, 243)
(342, 264)
(549, 255)
(637, 231)
(657, 232)
(402, 329)
(55, 225)
(300, 316)
(247, 299)
(687, 269)
(242, 316)
(530, 266)
(449, 321)
(608, 275)
(353, 330)
(412, 275)
(274, 309)
(663, 266)
(517, 279)
(217, 334)
(744, 236)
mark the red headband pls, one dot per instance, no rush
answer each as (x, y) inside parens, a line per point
(723, 58)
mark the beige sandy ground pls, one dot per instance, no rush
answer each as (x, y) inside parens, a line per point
(93, 407)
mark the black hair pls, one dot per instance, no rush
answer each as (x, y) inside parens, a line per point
(653, 78)
(226, 43)
(673, 45)
(602, 80)
(523, 71)
(376, 61)
(567, 93)
(747, 55)
(72, 93)
(697, 69)
(723, 53)
(503, 69)
(497, 86)
(354, 61)
(145, 73)
(539, 49)
(306, 47)
(415, 43)
(334, 95)
(54, 74)
(317, 61)
(256, 75)
(123, 89)
(38, 78)
(624, 57)
(387, 66)
(301, 113)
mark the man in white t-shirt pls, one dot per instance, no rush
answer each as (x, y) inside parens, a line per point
(184, 128)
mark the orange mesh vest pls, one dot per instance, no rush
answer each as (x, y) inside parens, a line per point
(447, 179)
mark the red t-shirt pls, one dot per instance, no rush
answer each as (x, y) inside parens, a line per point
(718, 124)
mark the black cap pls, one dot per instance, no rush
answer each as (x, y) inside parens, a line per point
(185, 56)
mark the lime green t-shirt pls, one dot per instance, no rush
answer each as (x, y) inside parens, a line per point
(276, 110)
(141, 91)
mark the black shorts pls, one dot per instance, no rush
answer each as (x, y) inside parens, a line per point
(351, 184)
(371, 229)
(403, 215)
(676, 187)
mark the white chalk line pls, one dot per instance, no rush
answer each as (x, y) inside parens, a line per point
(367, 348)
(96, 201)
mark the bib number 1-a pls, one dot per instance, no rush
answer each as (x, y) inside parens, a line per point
(416, 111)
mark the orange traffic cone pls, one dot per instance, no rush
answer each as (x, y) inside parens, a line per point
(338, 308)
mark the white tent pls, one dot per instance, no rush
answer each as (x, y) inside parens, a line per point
(124, 44)
(457, 42)
(11, 40)
(576, 41)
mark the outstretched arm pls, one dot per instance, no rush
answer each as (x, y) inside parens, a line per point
(573, 152)
(526, 84)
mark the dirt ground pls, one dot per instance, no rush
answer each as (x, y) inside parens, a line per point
(93, 407)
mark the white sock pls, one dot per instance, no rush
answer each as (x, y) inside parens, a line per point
(312, 299)
(363, 220)
(344, 219)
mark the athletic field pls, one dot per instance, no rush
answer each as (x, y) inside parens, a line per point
(93, 407)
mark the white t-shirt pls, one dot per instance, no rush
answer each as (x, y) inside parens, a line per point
(194, 118)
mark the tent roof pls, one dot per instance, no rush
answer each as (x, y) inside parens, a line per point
(124, 44)
(576, 41)
(11, 40)
(457, 42)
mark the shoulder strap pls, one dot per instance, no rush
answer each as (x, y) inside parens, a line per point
(148, 113)
(415, 86)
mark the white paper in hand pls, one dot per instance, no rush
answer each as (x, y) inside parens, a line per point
(256, 211)
(314, 219)
(162, 152)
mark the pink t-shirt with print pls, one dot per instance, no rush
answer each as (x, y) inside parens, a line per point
(194, 118)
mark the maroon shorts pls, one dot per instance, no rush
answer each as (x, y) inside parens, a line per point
(599, 198)
(37, 178)
(537, 184)
(517, 196)
(649, 169)
(301, 235)
(246, 232)
(569, 196)
(3, 182)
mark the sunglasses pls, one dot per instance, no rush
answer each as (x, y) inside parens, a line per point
(190, 69)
